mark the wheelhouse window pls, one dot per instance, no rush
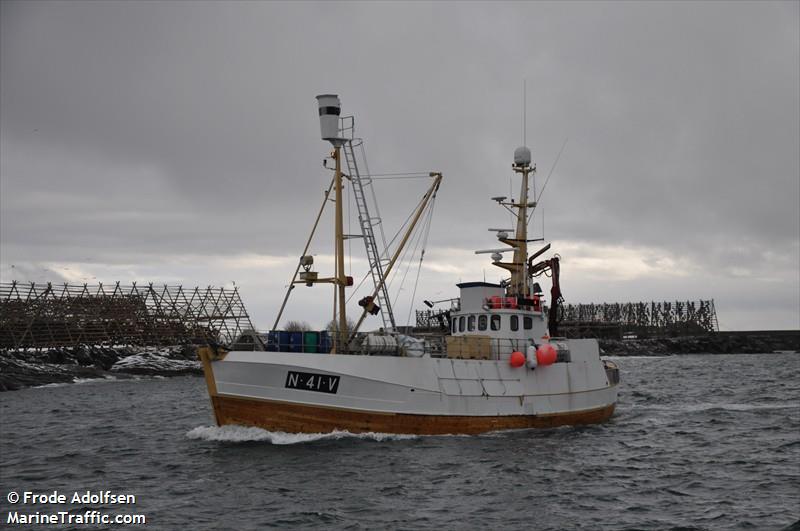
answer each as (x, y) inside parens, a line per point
(482, 322)
(454, 325)
(527, 322)
(471, 323)
(514, 323)
(461, 324)
(495, 322)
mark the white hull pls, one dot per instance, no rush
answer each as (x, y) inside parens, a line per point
(438, 387)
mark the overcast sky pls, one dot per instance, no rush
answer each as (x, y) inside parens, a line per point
(179, 142)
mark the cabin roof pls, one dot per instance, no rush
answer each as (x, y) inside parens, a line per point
(478, 285)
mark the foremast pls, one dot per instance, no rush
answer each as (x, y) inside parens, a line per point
(329, 111)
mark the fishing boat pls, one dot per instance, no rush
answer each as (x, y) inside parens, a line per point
(500, 365)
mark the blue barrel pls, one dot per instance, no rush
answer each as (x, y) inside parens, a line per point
(324, 342)
(272, 341)
(295, 341)
(284, 341)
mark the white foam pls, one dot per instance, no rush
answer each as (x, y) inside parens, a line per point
(245, 434)
(90, 380)
(77, 381)
(62, 384)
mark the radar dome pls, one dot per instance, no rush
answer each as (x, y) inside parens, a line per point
(522, 156)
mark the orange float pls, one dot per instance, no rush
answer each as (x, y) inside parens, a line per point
(546, 354)
(517, 359)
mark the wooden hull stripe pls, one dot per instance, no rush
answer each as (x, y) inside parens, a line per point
(297, 418)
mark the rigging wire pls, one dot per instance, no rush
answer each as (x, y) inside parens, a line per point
(427, 231)
(417, 235)
(355, 290)
(511, 197)
(385, 249)
(541, 192)
(409, 174)
(558, 157)
(399, 231)
(401, 177)
(411, 244)
(411, 215)
(349, 232)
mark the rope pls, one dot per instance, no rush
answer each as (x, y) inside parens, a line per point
(407, 175)
(399, 231)
(427, 231)
(417, 237)
(424, 229)
(355, 290)
(374, 197)
(410, 215)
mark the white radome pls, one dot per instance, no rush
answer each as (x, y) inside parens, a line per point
(522, 156)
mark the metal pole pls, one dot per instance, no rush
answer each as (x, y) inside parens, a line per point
(341, 279)
(305, 250)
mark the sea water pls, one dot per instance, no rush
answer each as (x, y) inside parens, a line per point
(697, 442)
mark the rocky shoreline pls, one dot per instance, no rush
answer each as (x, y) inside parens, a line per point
(709, 344)
(21, 369)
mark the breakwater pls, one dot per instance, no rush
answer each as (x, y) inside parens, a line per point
(30, 368)
(746, 342)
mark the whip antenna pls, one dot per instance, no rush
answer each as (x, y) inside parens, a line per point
(524, 112)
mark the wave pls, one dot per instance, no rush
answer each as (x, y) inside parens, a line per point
(233, 433)
(706, 406)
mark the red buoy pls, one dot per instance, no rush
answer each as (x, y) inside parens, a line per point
(517, 359)
(546, 354)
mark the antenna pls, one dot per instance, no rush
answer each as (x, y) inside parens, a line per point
(524, 112)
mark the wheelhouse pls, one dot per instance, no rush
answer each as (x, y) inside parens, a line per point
(509, 323)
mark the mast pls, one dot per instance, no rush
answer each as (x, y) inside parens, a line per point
(518, 267)
(329, 111)
(519, 275)
(340, 345)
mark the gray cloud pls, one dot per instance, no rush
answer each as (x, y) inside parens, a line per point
(131, 130)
